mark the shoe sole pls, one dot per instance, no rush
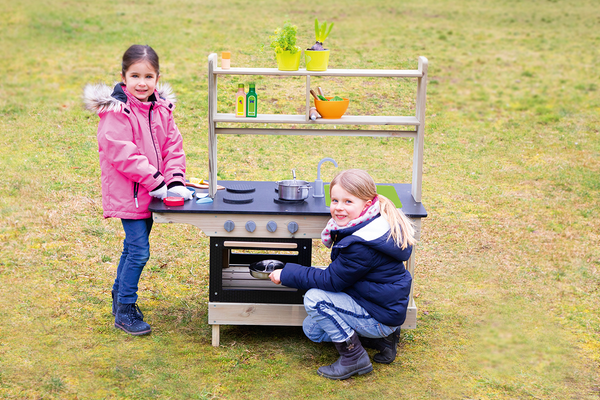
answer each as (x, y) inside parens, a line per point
(386, 361)
(362, 371)
(133, 333)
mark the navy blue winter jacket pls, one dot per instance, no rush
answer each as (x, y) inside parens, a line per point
(365, 265)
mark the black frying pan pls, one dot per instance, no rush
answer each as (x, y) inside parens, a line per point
(262, 269)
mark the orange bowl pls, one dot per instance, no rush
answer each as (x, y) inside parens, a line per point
(331, 109)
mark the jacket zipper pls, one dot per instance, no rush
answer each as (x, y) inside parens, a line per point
(152, 135)
(136, 186)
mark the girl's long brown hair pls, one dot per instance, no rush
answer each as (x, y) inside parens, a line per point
(360, 184)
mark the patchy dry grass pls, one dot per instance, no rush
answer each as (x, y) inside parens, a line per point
(508, 272)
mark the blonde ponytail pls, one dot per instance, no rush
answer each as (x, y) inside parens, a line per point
(401, 227)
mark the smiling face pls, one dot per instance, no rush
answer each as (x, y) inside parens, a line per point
(346, 207)
(141, 79)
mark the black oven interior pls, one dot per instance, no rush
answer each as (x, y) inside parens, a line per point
(230, 279)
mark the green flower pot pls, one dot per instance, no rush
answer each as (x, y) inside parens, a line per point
(287, 61)
(316, 60)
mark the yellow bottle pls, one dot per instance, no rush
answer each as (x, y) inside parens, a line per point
(240, 101)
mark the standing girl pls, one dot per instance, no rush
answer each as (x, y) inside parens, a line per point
(141, 156)
(364, 291)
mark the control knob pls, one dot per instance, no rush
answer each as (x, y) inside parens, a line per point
(293, 227)
(271, 226)
(229, 225)
(250, 226)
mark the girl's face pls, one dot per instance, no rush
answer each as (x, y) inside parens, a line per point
(346, 207)
(140, 80)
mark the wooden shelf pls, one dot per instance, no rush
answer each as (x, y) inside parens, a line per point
(415, 123)
(301, 119)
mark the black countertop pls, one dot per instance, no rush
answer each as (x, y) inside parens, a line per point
(264, 202)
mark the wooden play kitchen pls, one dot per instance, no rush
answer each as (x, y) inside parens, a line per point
(249, 222)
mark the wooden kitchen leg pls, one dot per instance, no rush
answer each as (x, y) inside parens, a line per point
(215, 335)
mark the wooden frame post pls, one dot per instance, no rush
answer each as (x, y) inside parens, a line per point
(419, 140)
(212, 136)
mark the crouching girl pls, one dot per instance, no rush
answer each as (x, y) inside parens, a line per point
(363, 294)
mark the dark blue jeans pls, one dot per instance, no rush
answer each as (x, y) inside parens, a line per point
(135, 255)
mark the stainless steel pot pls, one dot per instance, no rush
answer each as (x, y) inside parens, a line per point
(293, 189)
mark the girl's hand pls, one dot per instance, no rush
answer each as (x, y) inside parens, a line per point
(181, 191)
(160, 193)
(275, 276)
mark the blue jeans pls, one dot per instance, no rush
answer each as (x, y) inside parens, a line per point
(135, 255)
(334, 317)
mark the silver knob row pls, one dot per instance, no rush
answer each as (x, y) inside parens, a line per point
(292, 226)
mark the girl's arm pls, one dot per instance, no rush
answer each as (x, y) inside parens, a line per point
(348, 268)
(115, 141)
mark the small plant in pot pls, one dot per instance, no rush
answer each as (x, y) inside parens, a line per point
(317, 57)
(286, 52)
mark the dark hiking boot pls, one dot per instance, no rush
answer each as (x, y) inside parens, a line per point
(128, 319)
(114, 305)
(353, 360)
(387, 347)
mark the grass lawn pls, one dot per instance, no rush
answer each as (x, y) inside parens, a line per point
(508, 266)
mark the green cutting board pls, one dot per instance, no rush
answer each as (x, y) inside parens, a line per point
(385, 190)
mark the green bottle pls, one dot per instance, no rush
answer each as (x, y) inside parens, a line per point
(251, 102)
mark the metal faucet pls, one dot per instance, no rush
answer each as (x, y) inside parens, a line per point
(319, 187)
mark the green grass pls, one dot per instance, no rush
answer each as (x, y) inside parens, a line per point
(508, 266)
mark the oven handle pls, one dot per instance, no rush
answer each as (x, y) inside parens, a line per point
(260, 245)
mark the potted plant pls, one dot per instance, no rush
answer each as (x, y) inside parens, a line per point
(317, 57)
(286, 52)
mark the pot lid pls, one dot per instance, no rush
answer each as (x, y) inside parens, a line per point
(240, 188)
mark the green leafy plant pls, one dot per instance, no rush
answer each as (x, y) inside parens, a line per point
(321, 33)
(285, 39)
(336, 98)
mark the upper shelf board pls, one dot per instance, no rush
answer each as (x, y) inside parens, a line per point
(408, 73)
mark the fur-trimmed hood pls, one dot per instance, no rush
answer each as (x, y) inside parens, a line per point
(100, 98)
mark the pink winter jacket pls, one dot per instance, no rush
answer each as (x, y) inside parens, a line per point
(140, 147)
